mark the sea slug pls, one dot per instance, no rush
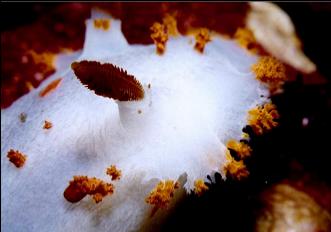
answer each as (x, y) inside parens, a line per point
(159, 117)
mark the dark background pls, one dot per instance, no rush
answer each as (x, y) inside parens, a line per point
(292, 152)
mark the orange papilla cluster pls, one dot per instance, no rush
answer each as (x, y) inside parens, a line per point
(159, 36)
(81, 186)
(47, 125)
(17, 158)
(269, 70)
(234, 168)
(161, 195)
(103, 24)
(242, 149)
(245, 38)
(201, 39)
(261, 118)
(51, 87)
(114, 172)
(200, 187)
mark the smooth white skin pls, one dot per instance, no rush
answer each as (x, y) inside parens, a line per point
(195, 104)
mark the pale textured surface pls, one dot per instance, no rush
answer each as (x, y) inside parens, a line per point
(195, 104)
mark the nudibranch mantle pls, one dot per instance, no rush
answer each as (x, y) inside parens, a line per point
(193, 104)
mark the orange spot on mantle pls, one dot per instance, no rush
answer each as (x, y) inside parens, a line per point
(17, 158)
(47, 125)
(50, 87)
(103, 24)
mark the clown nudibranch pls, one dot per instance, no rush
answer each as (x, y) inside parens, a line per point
(191, 103)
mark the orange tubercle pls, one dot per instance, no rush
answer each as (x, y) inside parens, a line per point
(201, 39)
(50, 87)
(103, 24)
(200, 187)
(261, 118)
(17, 158)
(47, 125)
(242, 149)
(161, 195)
(159, 36)
(269, 70)
(81, 186)
(114, 172)
(236, 169)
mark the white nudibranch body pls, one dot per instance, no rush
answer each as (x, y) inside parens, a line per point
(193, 104)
